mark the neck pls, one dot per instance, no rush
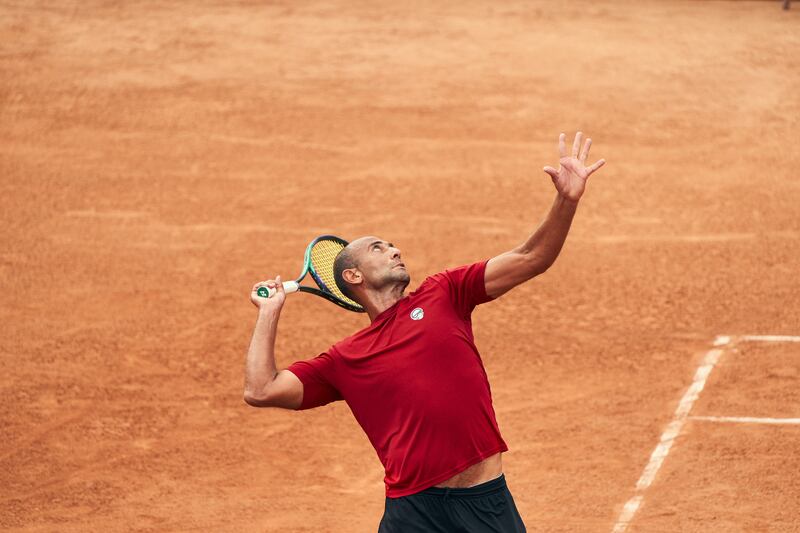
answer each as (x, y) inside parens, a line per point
(376, 302)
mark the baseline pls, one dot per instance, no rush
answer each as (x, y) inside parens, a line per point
(746, 419)
(769, 338)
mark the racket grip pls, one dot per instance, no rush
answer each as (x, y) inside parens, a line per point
(288, 286)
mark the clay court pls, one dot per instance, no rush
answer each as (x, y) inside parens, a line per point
(157, 159)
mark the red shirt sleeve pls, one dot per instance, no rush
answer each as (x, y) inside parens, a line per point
(465, 286)
(316, 375)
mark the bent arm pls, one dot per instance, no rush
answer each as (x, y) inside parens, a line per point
(535, 255)
(264, 386)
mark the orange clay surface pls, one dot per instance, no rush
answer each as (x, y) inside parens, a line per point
(157, 159)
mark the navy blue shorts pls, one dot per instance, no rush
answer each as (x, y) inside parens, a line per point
(487, 507)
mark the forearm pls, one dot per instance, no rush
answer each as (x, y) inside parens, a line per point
(260, 367)
(543, 246)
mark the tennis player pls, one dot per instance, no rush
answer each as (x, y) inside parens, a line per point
(413, 377)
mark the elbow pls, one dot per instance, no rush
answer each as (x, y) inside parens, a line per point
(541, 268)
(254, 399)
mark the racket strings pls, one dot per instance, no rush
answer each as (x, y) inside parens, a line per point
(323, 254)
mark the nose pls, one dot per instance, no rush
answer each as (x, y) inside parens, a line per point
(395, 252)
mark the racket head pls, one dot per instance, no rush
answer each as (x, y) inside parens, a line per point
(320, 255)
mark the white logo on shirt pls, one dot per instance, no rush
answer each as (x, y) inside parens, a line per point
(417, 314)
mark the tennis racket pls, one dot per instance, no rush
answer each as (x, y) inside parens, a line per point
(318, 262)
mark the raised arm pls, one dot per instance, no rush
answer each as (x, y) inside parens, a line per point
(264, 386)
(540, 250)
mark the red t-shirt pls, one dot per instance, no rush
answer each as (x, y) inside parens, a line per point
(415, 383)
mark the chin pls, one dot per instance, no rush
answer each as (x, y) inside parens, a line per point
(406, 280)
(402, 277)
(395, 276)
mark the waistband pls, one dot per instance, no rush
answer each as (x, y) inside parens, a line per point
(481, 489)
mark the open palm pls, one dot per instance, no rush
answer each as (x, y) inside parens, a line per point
(570, 178)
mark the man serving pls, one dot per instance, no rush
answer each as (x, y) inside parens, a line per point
(413, 377)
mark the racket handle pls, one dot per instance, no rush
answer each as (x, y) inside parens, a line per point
(288, 286)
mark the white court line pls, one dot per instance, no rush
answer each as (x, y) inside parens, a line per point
(670, 434)
(746, 419)
(770, 338)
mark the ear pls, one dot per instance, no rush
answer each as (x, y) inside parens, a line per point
(352, 276)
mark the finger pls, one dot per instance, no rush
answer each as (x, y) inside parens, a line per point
(594, 167)
(576, 145)
(585, 151)
(278, 284)
(562, 145)
(553, 173)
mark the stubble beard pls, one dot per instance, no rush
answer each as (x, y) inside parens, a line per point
(398, 277)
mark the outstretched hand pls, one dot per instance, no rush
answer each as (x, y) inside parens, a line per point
(570, 178)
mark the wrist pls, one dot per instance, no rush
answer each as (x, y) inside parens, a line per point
(269, 311)
(567, 201)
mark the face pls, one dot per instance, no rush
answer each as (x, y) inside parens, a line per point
(379, 263)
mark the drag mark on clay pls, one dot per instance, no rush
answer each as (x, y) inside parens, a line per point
(112, 213)
(671, 433)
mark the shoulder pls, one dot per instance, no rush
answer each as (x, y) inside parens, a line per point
(453, 278)
(432, 282)
(458, 275)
